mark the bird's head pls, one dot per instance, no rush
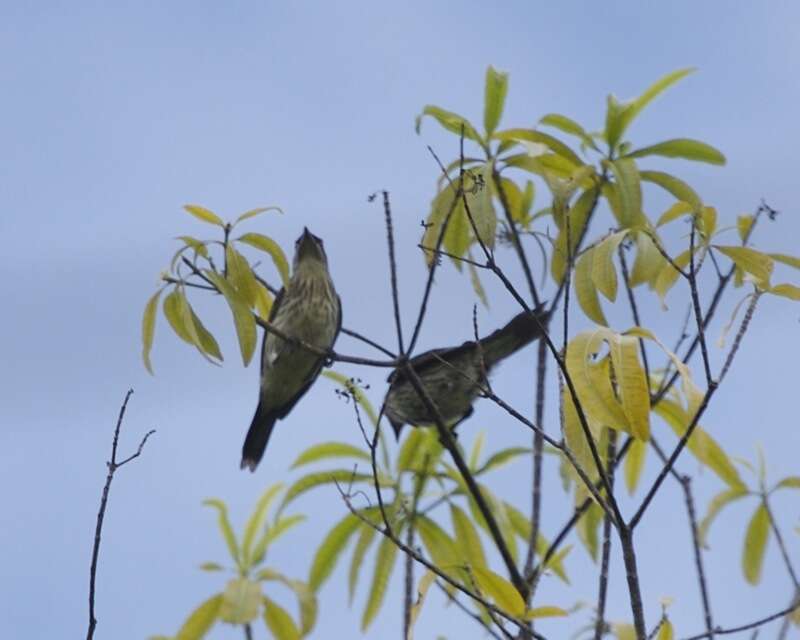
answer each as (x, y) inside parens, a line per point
(309, 252)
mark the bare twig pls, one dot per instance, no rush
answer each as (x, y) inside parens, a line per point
(112, 465)
(387, 210)
(600, 622)
(746, 627)
(686, 484)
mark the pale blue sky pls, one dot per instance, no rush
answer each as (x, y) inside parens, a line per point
(116, 114)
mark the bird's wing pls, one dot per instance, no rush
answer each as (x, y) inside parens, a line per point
(429, 359)
(274, 353)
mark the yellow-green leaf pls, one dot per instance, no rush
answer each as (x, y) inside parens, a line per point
(257, 520)
(312, 480)
(757, 264)
(207, 343)
(479, 202)
(744, 223)
(242, 317)
(201, 213)
(325, 450)
(668, 276)
(567, 125)
(499, 590)
(716, 505)
(149, 328)
(666, 632)
(477, 286)
(630, 191)
(254, 212)
(240, 601)
(197, 245)
(631, 380)
(677, 187)
(586, 289)
(547, 611)
(624, 631)
(755, 545)
(681, 148)
(279, 622)
(363, 544)
(648, 263)
(263, 301)
(225, 527)
(578, 218)
(588, 526)
(201, 620)
(634, 464)
(439, 545)
(271, 248)
(354, 391)
(604, 274)
(330, 549)
(240, 275)
(677, 210)
(449, 120)
(466, 538)
(384, 564)
(494, 98)
(539, 137)
(786, 291)
(636, 106)
(792, 261)
(422, 589)
(790, 482)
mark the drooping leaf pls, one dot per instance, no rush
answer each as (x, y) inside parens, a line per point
(756, 263)
(666, 632)
(225, 527)
(384, 564)
(604, 274)
(716, 505)
(755, 545)
(630, 191)
(279, 622)
(326, 450)
(578, 219)
(330, 550)
(588, 526)
(669, 275)
(422, 589)
(363, 543)
(450, 121)
(677, 187)
(309, 481)
(567, 125)
(499, 590)
(240, 275)
(149, 328)
(648, 263)
(677, 210)
(466, 538)
(494, 98)
(242, 317)
(479, 203)
(681, 148)
(539, 137)
(200, 621)
(201, 213)
(634, 464)
(306, 599)
(586, 289)
(631, 379)
(500, 458)
(271, 248)
(439, 545)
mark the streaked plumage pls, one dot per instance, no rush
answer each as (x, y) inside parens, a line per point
(308, 309)
(449, 386)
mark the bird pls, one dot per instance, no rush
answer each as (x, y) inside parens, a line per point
(449, 375)
(308, 309)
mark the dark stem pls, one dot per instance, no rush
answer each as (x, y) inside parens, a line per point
(746, 627)
(248, 631)
(686, 484)
(787, 561)
(600, 622)
(632, 576)
(387, 210)
(408, 595)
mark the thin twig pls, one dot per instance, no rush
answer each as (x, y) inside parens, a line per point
(487, 628)
(602, 592)
(746, 627)
(686, 484)
(387, 210)
(112, 465)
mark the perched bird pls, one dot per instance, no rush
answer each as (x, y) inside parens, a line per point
(308, 309)
(448, 374)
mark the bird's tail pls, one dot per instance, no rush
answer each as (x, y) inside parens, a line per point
(257, 437)
(521, 330)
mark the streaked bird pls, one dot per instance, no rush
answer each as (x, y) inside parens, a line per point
(308, 309)
(448, 374)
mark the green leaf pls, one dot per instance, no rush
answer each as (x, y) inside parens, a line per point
(792, 261)
(279, 622)
(271, 248)
(325, 450)
(578, 219)
(242, 317)
(363, 543)
(318, 478)
(755, 545)
(499, 590)
(677, 210)
(425, 583)
(198, 246)
(149, 328)
(477, 448)
(450, 121)
(567, 125)
(408, 457)
(677, 187)
(200, 621)
(629, 189)
(668, 276)
(635, 107)
(634, 464)
(681, 148)
(786, 291)
(257, 520)
(649, 261)
(757, 264)
(240, 601)
(240, 275)
(624, 631)
(790, 482)
(439, 545)
(330, 550)
(744, 223)
(306, 599)
(614, 128)
(666, 632)
(264, 301)
(501, 458)
(539, 137)
(547, 611)
(588, 529)
(207, 343)
(604, 274)
(494, 98)
(172, 308)
(283, 524)
(477, 287)
(586, 289)
(466, 538)
(631, 379)
(201, 213)
(255, 212)
(384, 564)
(211, 566)
(225, 527)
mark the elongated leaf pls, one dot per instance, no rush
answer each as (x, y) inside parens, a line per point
(149, 328)
(786, 291)
(649, 261)
(279, 622)
(479, 201)
(666, 632)
(439, 545)
(567, 125)
(271, 248)
(240, 275)
(586, 289)
(477, 448)
(755, 545)
(225, 527)
(677, 210)
(422, 589)
(408, 457)
(264, 301)
(257, 520)
(363, 543)
(578, 219)
(200, 621)
(604, 274)
(494, 98)
(681, 148)
(614, 128)
(588, 527)
(306, 599)
(206, 215)
(326, 450)
(242, 317)
(318, 478)
(634, 464)
(744, 223)
(630, 191)
(547, 611)
(330, 550)
(240, 601)
(790, 482)
(173, 312)
(252, 213)
(450, 121)
(384, 565)
(207, 343)
(502, 457)
(211, 566)
(652, 92)
(677, 187)
(669, 275)
(757, 264)
(631, 380)
(466, 538)
(499, 590)
(624, 631)
(792, 261)
(539, 137)
(198, 246)
(720, 501)
(274, 532)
